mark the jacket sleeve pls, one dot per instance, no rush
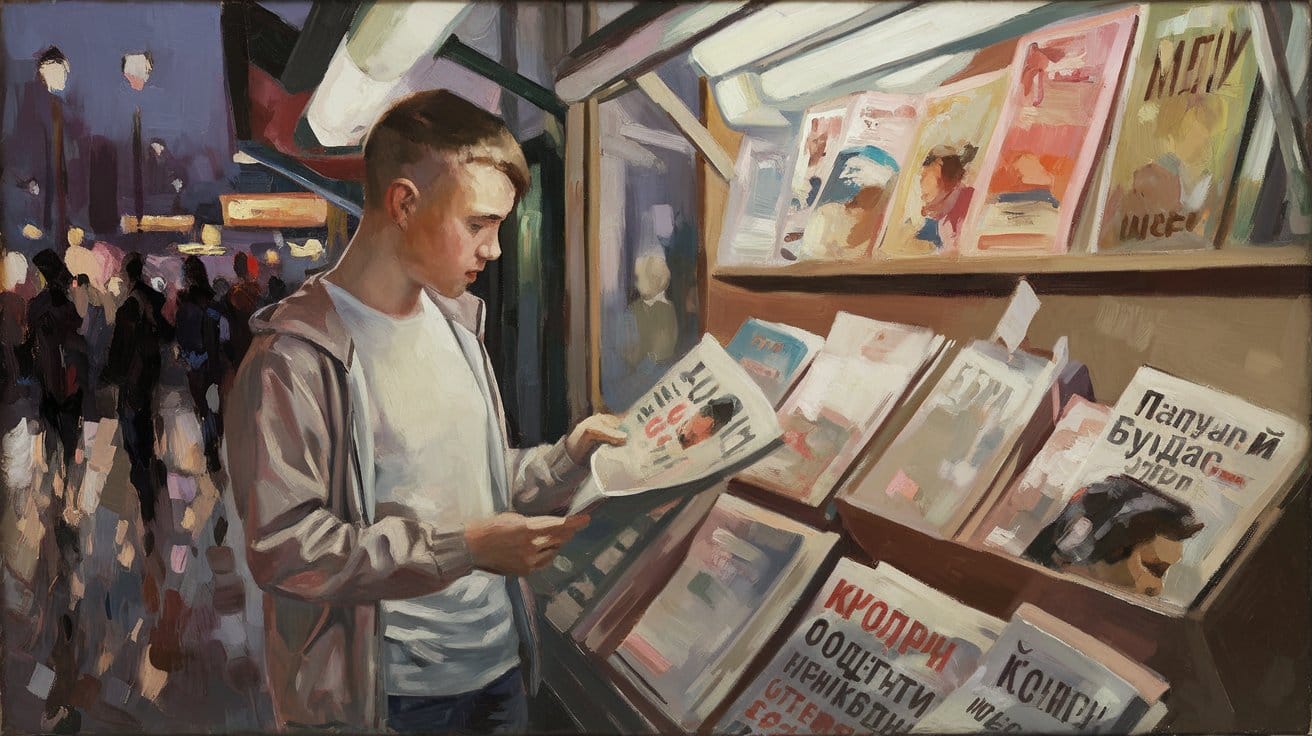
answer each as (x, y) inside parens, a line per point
(279, 445)
(543, 479)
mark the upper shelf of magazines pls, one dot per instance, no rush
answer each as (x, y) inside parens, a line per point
(954, 137)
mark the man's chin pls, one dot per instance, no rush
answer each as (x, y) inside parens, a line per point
(450, 292)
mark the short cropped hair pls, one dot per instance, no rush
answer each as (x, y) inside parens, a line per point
(439, 121)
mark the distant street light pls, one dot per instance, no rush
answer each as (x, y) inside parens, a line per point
(53, 68)
(136, 69)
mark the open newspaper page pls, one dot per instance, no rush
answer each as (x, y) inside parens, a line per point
(854, 665)
(1034, 680)
(704, 418)
(1169, 490)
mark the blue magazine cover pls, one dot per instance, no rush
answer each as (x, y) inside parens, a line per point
(773, 354)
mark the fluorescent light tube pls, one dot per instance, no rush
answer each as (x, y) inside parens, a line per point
(774, 27)
(739, 98)
(345, 102)
(678, 25)
(886, 42)
(392, 36)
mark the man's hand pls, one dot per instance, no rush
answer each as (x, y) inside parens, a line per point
(512, 544)
(591, 433)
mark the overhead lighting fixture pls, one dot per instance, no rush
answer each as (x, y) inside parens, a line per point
(741, 106)
(392, 36)
(680, 25)
(769, 30)
(887, 42)
(926, 76)
(369, 65)
(342, 107)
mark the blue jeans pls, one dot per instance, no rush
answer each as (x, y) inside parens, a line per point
(499, 707)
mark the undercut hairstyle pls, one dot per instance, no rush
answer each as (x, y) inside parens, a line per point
(439, 121)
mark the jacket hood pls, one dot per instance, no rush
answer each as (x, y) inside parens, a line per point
(310, 314)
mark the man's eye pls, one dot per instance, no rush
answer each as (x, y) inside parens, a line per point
(475, 227)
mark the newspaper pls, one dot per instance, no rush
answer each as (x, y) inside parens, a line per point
(1037, 679)
(852, 665)
(705, 418)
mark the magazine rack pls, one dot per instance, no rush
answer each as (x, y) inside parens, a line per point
(1235, 318)
(1225, 656)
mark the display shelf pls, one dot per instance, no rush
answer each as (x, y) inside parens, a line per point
(1275, 270)
(1072, 263)
(588, 695)
(1193, 652)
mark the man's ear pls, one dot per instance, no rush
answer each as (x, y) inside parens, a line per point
(401, 199)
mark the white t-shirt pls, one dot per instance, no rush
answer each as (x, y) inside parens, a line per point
(430, 423)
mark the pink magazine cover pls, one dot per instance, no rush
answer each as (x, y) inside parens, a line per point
(1064, 83)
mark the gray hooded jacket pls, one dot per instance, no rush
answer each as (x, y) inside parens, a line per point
(300, 463)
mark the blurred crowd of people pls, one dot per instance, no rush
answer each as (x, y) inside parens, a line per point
(82, 353)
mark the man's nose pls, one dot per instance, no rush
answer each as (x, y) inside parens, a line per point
(490, 250)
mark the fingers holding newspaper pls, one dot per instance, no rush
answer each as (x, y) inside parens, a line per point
(513, 544)
(591, 433)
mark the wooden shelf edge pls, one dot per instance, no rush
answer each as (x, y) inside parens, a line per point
(1019, 265)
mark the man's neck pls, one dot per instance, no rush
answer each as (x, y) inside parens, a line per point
(371, 272)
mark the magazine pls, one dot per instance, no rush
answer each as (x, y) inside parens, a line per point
(862, 371)
(1176, 140)
(822, 128)
(587, 562)
(1172, 486)
(773, 354)
(910, 645)
(1064, 82)
(612, 606)
(930, 206)
(705, 417)
(937, 470)
(745, 570)
(1035, 497)
(752, 212)
(849, 214)
(1045, 676)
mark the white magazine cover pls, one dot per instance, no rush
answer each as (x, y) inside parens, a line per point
(876, 651)
(1043, 676)
(704, 417)
(755, 199)
(1170, 489)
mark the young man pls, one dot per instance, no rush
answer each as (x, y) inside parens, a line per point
(368, 456)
